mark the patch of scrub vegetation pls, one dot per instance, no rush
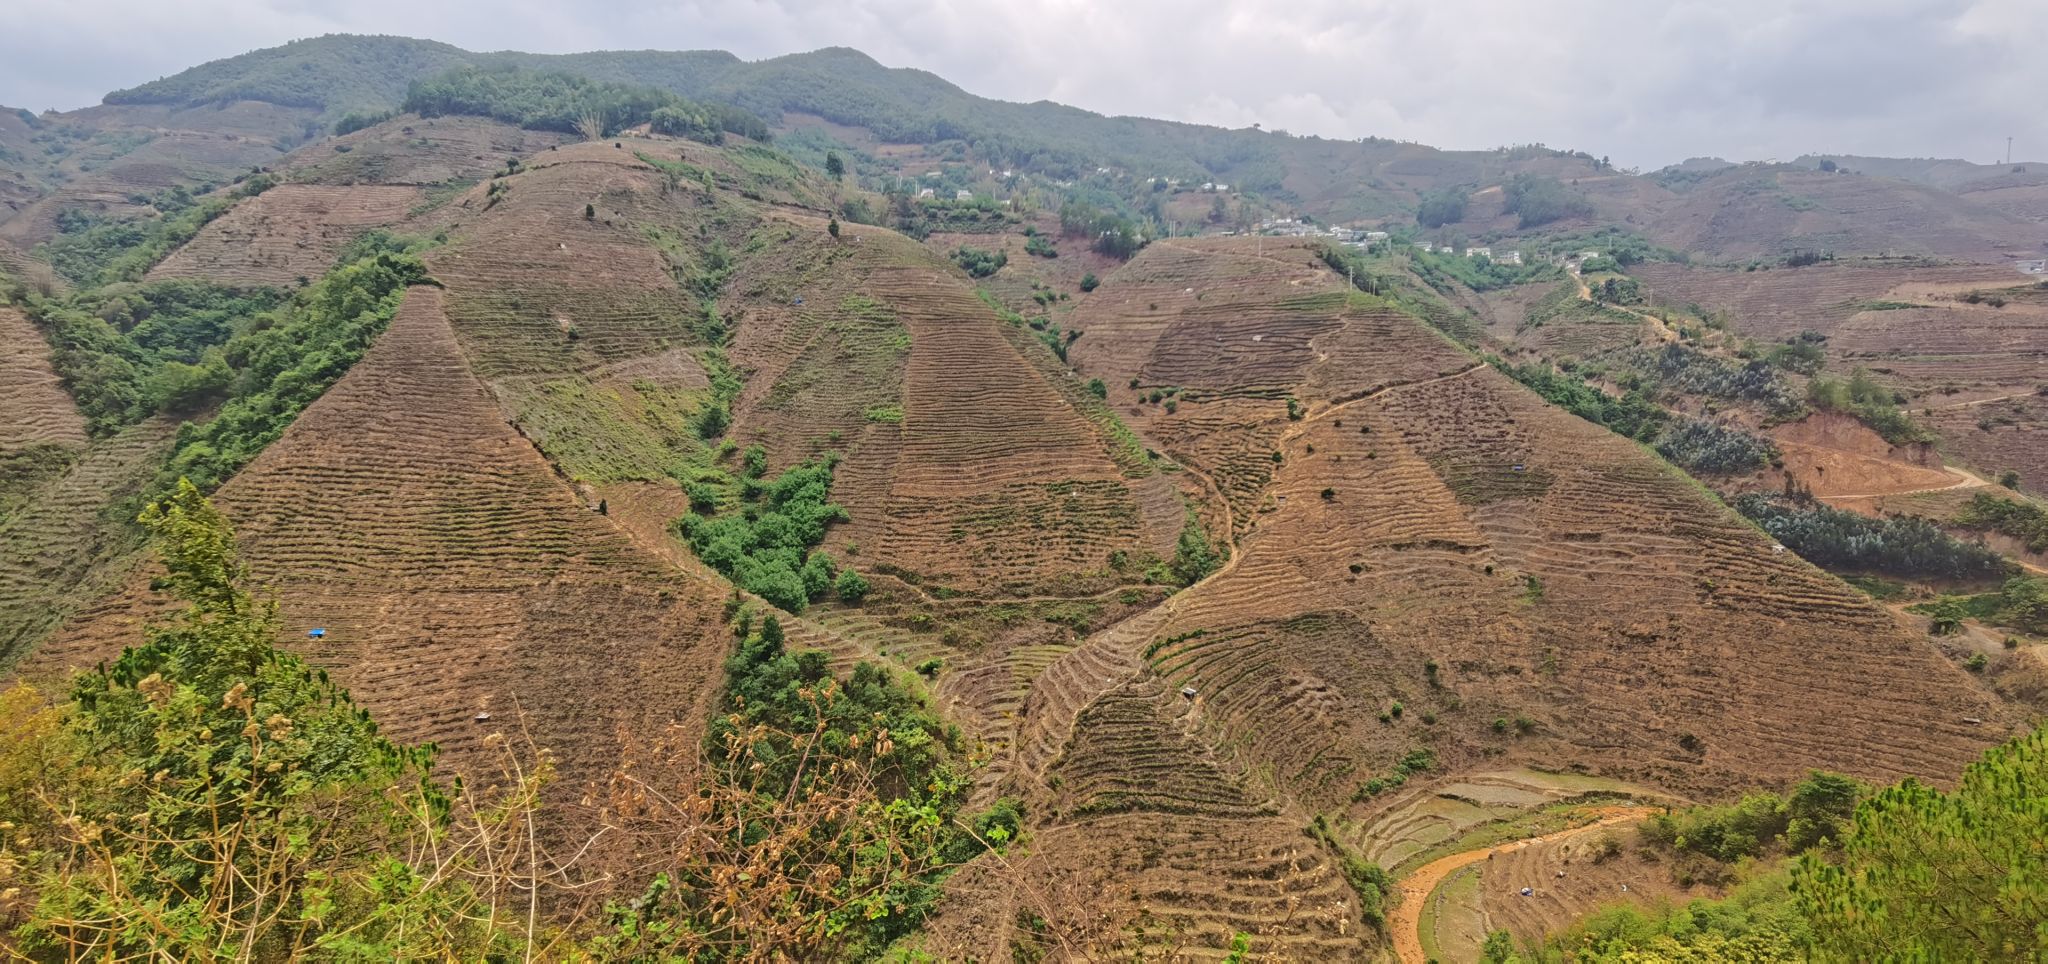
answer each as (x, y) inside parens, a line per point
(1632, 416)
(128, 352)
(1563, 304)
(1195, 557)
(1537, 200)
(1688, 370)
(90, 251)
(1710, 448)
(2022, 520)
(253, 359)
(979, 263)
(1693, 444)
(791, 736)
(1904, 546)
(1371, 883)
(767, 547)
(1416, 761)
(1477, 273)
(2021, 603)
(1872, 404)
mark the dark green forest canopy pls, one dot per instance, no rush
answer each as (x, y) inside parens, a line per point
(554, 101)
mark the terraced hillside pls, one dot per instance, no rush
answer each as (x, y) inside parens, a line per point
(34, 409)
(462, 586)
(1425, 550)
(1239, 579)
(1965, 345)
(103, 158)
(288, 233)
(601, 355)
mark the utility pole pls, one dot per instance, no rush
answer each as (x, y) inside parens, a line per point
(2008, 150)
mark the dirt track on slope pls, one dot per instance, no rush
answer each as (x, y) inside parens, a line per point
(1414, 890)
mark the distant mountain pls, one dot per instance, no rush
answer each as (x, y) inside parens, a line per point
(1707, 204)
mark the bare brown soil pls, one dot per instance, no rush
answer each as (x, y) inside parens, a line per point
(34, 409)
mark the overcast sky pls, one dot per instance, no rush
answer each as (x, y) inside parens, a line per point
(1644, 81)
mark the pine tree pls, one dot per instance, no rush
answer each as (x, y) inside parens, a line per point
(1932, 876)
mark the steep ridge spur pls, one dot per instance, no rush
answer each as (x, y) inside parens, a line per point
(462, 586)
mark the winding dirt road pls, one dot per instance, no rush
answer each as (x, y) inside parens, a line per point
(1414, 890)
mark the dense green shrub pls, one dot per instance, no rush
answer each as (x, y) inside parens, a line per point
(1873, 404)
(1618, 291)
(283, 360)
(766, 547)
(1801, 353)
(1478, 274)
(1109, 233)
(1684, 369)
(1933, 876)
(979, 263)
(356, 120)
(1905, 546)
(1632, 416)
(95, 251)
(1539, 200)
(1708, 448)
(1439, 208)
(2022, 520)
(799, 723)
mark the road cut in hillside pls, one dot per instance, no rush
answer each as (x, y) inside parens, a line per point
(1414, 890)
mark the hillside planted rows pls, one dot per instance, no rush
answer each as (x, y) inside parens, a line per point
(959, 537)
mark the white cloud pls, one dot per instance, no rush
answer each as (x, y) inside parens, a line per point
(1646, 82)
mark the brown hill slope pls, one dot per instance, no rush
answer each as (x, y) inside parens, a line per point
(34, 410)
(453, 572)
(1433, 549)
(866, 346)
(289, 232)
(1750, 211)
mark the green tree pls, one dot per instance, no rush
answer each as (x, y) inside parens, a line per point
(834, 167)
(1439, 208)
(1933, 876)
